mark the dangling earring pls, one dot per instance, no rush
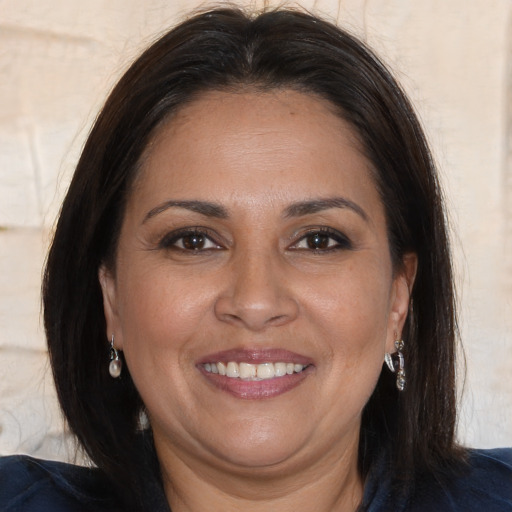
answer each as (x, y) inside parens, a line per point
(400, 374)
(398, 365)
(116, 365)
(143, 421)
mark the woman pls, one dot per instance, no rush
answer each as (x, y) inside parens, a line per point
(248, 300)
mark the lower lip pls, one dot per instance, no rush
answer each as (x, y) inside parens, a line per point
(256, 389)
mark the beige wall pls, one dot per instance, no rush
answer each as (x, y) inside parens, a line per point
(58, 59)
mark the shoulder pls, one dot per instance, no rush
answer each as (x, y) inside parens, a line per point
(484, 484)
(497, 461)
(32, 485)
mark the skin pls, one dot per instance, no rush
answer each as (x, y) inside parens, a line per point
(257, 280)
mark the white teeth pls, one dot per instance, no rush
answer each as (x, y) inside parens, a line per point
(233, 370)
(280, 369)
(266, 371)
(249, 371)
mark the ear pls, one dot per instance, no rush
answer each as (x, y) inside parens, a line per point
(403, 283)
(108, 289)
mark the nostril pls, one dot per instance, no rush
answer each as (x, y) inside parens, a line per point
(231, 318)
(255, 315)
(278, 319)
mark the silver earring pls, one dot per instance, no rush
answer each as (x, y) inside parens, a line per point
(143, 421)
(116, 365)
(397, 364)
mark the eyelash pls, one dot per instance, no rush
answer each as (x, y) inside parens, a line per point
(170, 240)
(341, 241)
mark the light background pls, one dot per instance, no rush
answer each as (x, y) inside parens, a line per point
(58, 60)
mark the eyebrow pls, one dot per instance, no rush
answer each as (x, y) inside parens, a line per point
(297, 209)
(202, 207)
(317, 205)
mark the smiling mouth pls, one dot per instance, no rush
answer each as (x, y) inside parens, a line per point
(253, 372)
(256, 373)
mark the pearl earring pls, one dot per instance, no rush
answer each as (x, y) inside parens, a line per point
(116, 365)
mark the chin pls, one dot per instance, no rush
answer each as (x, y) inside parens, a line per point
(260, 447)
(254, 458)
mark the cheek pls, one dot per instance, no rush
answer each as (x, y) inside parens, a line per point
(352, 313)
(159, 312)
(354, 302)
(160, 321)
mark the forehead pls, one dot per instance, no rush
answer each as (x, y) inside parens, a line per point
(275, 113)
(255, 141)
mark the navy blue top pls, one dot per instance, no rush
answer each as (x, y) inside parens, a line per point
(31, 485)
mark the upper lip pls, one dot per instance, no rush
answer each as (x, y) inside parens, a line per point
(256, 356)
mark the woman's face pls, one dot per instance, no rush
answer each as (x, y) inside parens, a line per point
(254, 296)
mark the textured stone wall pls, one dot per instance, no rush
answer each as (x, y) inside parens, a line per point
(58, 59)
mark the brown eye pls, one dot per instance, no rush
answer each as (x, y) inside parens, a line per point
(189, 241)
(322, 240)
(194, 242)
(318, 241)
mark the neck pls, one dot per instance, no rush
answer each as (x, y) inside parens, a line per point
(332, 484)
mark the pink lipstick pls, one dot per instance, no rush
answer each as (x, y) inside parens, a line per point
(255, 373)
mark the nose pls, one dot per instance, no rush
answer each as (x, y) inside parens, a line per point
(257, 295)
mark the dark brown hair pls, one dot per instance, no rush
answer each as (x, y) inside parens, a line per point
(226, 49)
